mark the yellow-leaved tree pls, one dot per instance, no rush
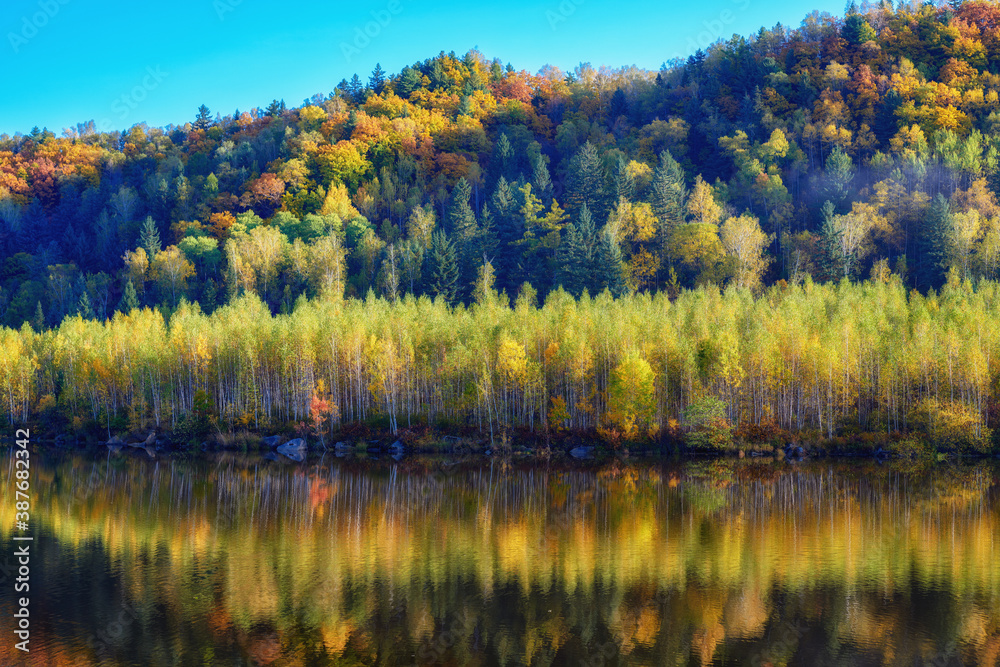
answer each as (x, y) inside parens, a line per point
(631, 404)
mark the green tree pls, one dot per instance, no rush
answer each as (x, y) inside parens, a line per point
(708, 426)
(442, 270)
(149, 238)
(129, 300)
(587, 182)
(608, 266)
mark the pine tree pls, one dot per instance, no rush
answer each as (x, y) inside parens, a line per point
(542, 180)
(586, 176)
(503, 157)
(204, 119)
(377, 80)
(129, 300)
(609, 266)
(461, 218)
(273, 109)
(933, 244)
(587, 232)
(84, 307)
(38, 321)
(509, 230)
(462, 222)
(572, 270)
(486, 236)
(149, 238)
(832, 261)
(442, 270)
(669, 193)
(624, 181)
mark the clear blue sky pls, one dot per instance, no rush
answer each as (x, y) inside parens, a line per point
(67, 61)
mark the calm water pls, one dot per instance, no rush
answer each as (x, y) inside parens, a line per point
(240, 561)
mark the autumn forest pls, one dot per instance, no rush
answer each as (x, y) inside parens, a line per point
(788, 236)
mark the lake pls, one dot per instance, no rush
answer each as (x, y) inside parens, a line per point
(236, 560)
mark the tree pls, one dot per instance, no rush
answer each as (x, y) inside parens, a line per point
(587, 182)
(377, 80)
(745, 242)
(857, 30)
(84, 307)
(609, 274)
(572, 267)
(631, 404)
(170, 270)
(129, 300)
(701, 204)
(844, 237)
(149, 238)
(204, 119)
(708, 425)
(442, 270)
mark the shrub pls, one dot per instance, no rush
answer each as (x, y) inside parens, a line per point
(709, 427)
(950, 425)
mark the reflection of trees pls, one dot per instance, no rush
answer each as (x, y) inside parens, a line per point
(718, 561)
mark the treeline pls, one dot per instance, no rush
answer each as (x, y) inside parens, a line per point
(820, 360)
(854, 147)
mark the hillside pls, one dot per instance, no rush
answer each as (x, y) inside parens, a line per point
(848, 147)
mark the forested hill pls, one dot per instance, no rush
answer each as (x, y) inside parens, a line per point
(852, 146)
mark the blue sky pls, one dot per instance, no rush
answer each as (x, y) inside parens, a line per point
(120, 63)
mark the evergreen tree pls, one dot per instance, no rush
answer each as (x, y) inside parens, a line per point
(933, 243)
(509, 230)
(356, 89)
(129, 300)
(624, 182)
(204, 119)
(832, 260)
(572, 269)
(84, 307)
(409, 80)
(618, 106)
(377, 80)
(857, 30)
(462, 223)
(609, 266)
(503, 158)
(542, 181)
(486, 236)
(461, 218)
(442, 269)
(149, 238)
(586, 182)
(38, 321)
(669, 195)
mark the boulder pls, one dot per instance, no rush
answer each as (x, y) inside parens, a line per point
(273, 440)
(294, 449)
(397, 447)
(581, 452)
(343, 447)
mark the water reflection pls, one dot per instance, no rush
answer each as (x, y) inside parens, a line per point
(239, 561)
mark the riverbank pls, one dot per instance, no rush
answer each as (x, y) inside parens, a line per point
(361, 440)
